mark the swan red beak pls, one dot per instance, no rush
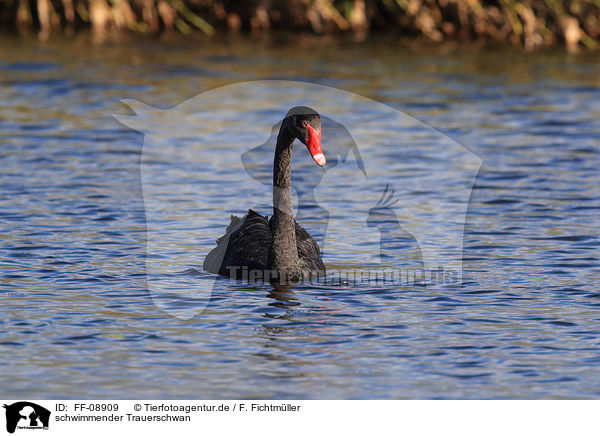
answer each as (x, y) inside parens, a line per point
(313, 142)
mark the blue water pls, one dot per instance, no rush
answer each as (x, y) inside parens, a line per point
(77, 316)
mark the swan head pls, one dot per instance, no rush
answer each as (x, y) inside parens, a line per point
(305, 124)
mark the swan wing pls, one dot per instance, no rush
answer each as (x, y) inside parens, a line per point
(308, 250)
(246, 243)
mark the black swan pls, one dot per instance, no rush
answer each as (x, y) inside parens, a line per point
(340, 144)
(255, 248)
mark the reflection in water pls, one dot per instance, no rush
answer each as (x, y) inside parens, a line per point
(284, 297)
(74, 301)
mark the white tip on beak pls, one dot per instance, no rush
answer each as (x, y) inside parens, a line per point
(320, 159)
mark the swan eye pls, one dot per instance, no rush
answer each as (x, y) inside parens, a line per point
(304, 123)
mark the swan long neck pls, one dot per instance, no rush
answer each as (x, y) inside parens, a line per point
(284, 252)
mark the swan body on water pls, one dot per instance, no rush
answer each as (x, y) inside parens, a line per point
(276, 249)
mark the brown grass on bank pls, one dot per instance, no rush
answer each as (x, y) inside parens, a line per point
(532, 23)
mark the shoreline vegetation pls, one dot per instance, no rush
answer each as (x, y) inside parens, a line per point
(530, 24)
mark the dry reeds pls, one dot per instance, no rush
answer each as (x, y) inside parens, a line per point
(531, 23)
